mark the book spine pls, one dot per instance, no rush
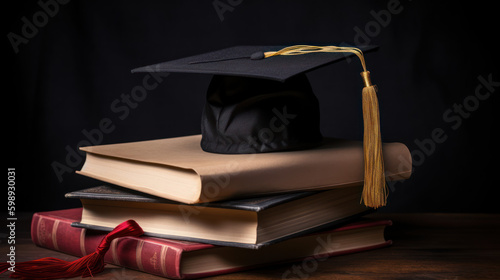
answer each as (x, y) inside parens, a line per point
(134, 253)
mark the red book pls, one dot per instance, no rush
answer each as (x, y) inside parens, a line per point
(187, 260)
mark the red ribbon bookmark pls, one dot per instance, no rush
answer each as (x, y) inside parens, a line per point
(52, 268)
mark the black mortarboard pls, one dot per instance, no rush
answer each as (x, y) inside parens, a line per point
(256, 105)
(237, 61)
(260, 100)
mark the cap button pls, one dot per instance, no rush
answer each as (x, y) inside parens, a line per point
(257, 56)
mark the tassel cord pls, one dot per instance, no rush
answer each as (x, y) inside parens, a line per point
(375, 188)
(52, 268)
(304, 49)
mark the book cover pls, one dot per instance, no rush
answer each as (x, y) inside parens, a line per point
(248, 223)
(187, 260)
(258, 203)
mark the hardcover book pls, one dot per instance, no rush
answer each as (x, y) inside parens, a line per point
(178, 169)
(249, 223)
(186, 260)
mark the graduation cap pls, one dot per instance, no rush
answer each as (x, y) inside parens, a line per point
(259, 100)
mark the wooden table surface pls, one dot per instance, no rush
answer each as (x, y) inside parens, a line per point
(425, 246)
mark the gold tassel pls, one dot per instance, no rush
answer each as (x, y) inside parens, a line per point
(375, 189)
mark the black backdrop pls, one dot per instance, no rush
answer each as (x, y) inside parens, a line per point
(68, 72)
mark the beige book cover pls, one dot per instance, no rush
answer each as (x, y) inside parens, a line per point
(178, 169)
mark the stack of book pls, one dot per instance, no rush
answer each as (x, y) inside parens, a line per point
(207, 214)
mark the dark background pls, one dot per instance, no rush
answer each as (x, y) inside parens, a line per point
(65, 79)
